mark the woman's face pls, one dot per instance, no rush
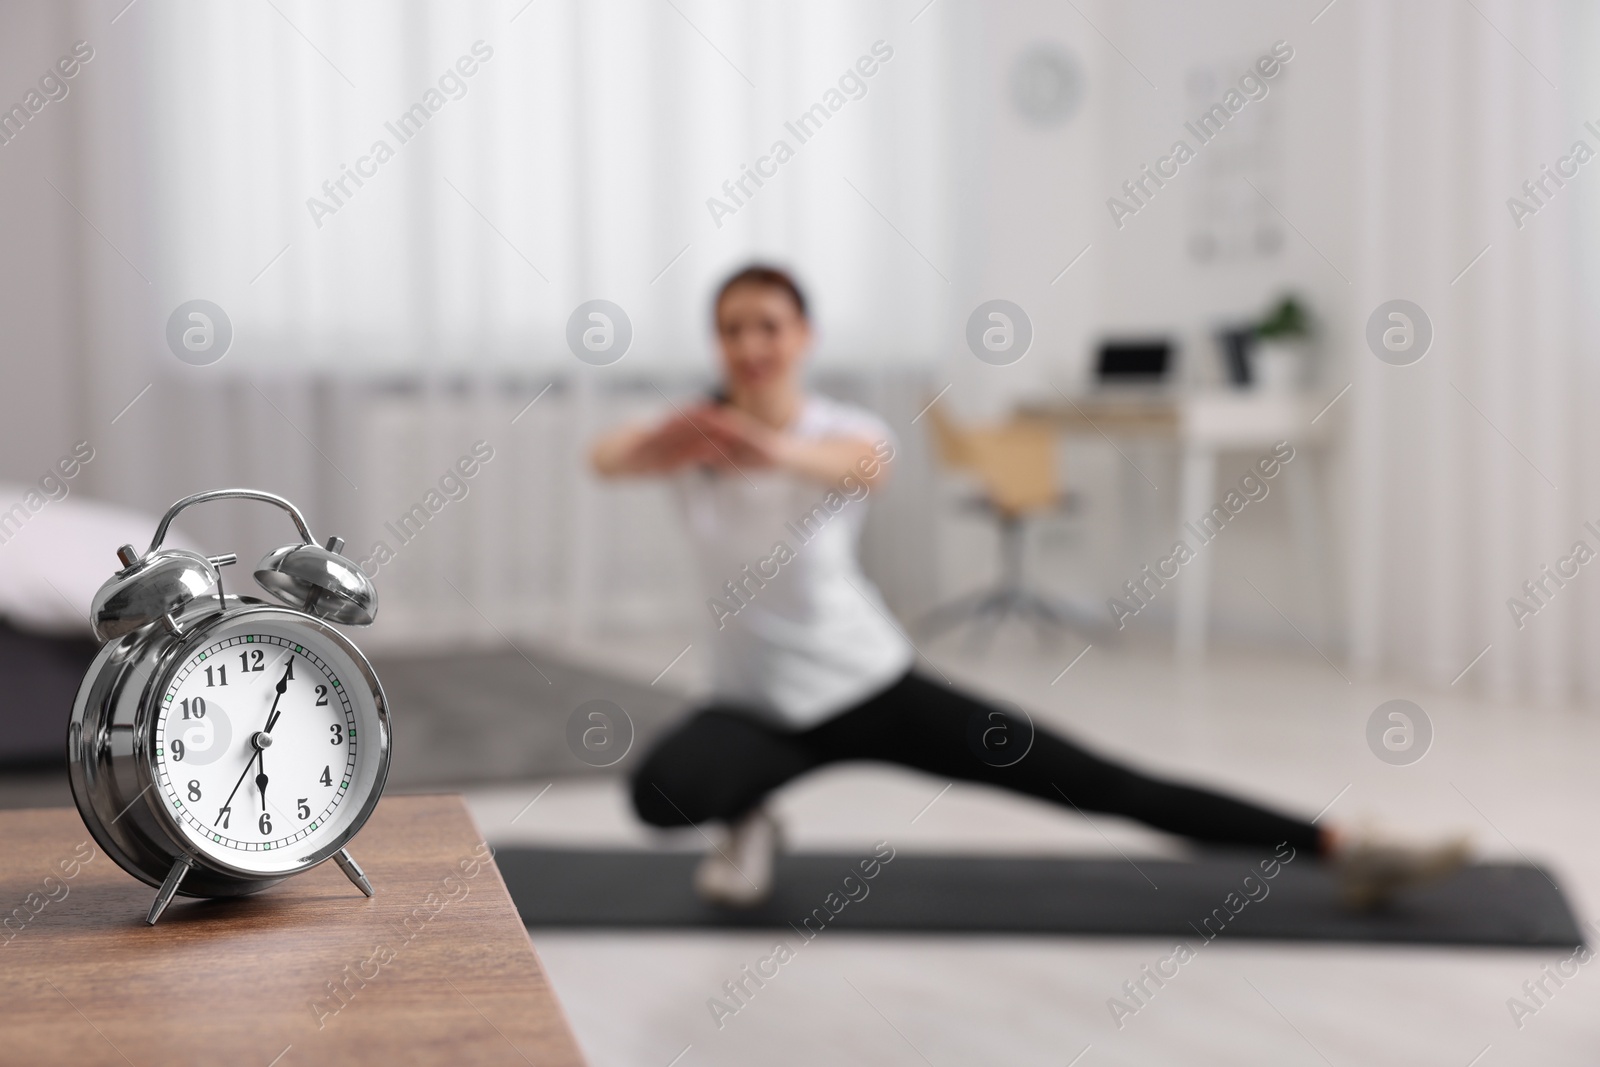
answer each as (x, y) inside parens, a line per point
(764, 337)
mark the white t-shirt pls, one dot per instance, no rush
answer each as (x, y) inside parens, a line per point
(799, 634)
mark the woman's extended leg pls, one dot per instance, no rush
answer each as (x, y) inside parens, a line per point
(939, 729)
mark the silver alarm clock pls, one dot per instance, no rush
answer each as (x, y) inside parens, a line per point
(219, 743)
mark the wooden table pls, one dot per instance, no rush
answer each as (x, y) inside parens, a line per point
(436, 968)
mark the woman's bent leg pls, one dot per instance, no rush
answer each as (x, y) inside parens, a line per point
(717, 766)
(941, 730)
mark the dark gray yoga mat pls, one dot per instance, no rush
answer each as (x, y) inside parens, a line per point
(1488, 904)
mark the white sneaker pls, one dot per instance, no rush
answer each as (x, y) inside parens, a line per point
(740, 873)
(1372, 870)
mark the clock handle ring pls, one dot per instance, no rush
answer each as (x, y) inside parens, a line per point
(225, 494)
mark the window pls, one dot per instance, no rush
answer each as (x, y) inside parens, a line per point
(369, 187)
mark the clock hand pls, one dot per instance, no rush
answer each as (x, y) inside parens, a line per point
(253, 683)
(248, 764)
(260, 741)
(264, 736)
(283, 684)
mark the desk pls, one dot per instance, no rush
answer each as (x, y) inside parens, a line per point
(1202, 425)
(244, 981)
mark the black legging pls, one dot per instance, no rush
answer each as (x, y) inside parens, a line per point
(722, 763)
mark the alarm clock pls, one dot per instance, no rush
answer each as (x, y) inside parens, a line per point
(220, 743)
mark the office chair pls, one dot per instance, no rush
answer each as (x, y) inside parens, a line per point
(1015, 465)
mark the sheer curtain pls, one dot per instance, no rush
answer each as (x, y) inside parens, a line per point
(399, 206)
(366, 185)
(1473, 470)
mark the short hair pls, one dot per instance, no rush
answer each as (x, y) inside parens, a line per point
(764, 276)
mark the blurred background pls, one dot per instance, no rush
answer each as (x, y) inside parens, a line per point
(1373, 256)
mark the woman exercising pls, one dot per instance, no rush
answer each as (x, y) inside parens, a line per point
(809, 667)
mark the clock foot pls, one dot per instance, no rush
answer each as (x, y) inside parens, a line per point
(168, 888)
(352, 870)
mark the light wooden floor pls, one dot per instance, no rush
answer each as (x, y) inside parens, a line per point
(1289, 730)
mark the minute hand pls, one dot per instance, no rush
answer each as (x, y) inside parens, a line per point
(272, 720)
(283, 684)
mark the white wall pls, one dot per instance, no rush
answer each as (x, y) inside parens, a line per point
(1406, 128)
(1043, 200)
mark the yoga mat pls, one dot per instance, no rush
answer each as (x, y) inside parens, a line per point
(1487, 904)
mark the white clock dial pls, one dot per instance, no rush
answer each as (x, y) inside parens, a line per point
(265, 744)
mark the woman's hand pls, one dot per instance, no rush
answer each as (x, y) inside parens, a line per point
(739, 439)
(729, 440)
(660, 449)
(744, 441)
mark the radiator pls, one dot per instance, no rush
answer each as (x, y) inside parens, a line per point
(469, 497)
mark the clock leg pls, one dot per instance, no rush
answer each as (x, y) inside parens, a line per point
(168, 889)
(352, 870)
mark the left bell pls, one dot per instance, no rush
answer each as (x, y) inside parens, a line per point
(146, 589)
(320, 581)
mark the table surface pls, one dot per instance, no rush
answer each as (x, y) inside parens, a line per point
(436, 968)
(1223, 417)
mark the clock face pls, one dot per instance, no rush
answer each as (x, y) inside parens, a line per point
(268, 744)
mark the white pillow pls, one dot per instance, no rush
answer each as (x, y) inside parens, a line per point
(53, 560)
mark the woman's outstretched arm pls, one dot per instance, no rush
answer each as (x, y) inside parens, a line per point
(660, 448)
(745, 441)
(727, 439)
(620, 452)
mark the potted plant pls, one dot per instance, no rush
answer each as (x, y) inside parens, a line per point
(1281, 360)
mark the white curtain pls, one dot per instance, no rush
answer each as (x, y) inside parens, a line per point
(428, 309)
(1472, 470)
(366, 185)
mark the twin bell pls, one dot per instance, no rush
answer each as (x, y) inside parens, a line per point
(157, 586)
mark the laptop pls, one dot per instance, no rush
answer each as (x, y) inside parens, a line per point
(1139, 366)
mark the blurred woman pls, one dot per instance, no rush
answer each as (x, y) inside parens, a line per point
(810, 667)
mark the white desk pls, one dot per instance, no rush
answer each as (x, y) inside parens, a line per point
(1203, 425)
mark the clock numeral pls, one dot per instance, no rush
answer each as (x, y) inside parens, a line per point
(221, 676)
(251, 660)
(223, 818)
(177, 751)
(327, 779)
(322, 696)
(194, 708)
(194, 789)
(265, 823)
(302, 809)
(338, 734)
